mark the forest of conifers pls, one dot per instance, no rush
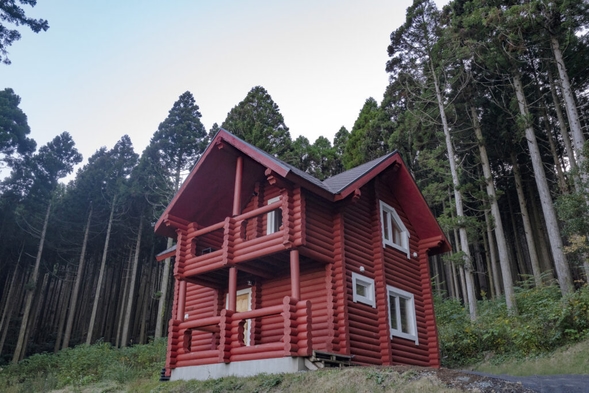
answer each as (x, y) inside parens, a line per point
(487, 104)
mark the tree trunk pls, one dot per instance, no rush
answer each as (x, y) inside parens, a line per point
(32, 285)
(562, 270)
(499, 233)
(10, 303)
(129, 308)
(457, 200)
(74, 297)
(9, 300)
(122, 298)
(520, 258)
(562, 183)
(493, 256)
(161, 306)
(563, 130)
(569, 101)
(34, 319)
(65, 289)
(101, 274)
(526, 220)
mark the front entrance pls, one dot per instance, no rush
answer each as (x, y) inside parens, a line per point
(243, 303)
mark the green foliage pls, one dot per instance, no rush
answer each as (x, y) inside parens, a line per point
(546, 321)
(14, 127)
(257, 120)
(84, 365)
(369, 136)
(13, 14)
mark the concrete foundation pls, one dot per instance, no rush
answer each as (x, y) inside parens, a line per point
(239, 369)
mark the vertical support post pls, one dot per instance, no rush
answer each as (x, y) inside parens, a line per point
(181, 301)
(237, 189)
(295, 275)
(232, 293)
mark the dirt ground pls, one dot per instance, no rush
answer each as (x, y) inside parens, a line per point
(467, 382)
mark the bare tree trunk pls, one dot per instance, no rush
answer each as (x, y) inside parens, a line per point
(499, 233)
(65, 289)
(10, 304)
(569, 101)
(74, 297)
(20, 343)
(161, 306)
(146, 274)
(9, 300)
(563, 130)
(493, 256)
(562, 270)
(101, 274)
(129, 308)
(458, 201)
(35, 312)
(562, 183)
(526, 220)
(123, 298)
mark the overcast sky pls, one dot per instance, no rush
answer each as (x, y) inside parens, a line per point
(113, 67)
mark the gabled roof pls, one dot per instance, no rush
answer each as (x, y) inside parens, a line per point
(206, 194)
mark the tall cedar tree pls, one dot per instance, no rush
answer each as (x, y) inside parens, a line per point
(175, 147)
(413, 50)
(53, 162)
(257, 120)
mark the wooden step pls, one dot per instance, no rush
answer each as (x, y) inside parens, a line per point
(327, 359)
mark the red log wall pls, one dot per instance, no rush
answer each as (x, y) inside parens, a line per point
(406, 274)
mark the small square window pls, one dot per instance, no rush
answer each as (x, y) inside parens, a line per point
(402, 319)
(274, 218)
(363, 289)
(394, 232)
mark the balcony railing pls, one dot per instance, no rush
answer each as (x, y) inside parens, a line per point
(239, 239)
(224, 341)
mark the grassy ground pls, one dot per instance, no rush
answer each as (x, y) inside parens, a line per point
(570, 360)
(550, 335)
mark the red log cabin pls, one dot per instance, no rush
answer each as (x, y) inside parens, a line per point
(276, 270)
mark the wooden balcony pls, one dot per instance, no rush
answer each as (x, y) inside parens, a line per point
(223, 340)
(241, 238)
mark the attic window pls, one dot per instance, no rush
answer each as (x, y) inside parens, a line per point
(363, 290)
(274, 218)
(394, 232)
(402, 319)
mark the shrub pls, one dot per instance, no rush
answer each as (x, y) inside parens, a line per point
(83, 365)
(545, 321)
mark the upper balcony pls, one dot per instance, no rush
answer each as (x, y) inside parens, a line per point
(263, 231)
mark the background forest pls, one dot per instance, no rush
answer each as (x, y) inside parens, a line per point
(487, 104)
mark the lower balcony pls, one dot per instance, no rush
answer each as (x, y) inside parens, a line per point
(230, 336)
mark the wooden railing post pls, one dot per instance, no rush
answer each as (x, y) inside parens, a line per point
(290, 326)
(304, 334)
(173, 337)
(225, 336)
(295, 275)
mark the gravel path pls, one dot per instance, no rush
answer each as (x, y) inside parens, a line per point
(547, 383)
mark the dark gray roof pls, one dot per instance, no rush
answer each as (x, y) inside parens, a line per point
(339, 182)
(334, 184)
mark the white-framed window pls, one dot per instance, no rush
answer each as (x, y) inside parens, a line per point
(274, 218)
(394, 232)
(402, 319)
(363, 289)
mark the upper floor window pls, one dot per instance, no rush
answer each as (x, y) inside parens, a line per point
(274, 218)
(394, 232)
(402, 319)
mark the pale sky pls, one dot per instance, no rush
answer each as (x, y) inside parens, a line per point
(113, 67)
